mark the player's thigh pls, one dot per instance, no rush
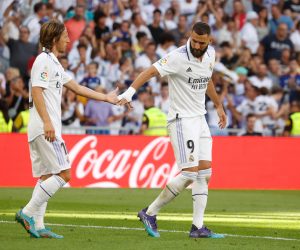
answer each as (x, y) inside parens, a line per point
(205, 143)
(51, 157)
(184, 134)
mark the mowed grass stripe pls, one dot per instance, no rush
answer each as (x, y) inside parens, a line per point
(256, 221)
(161, 230)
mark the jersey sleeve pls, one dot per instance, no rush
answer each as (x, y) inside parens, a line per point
(40, 75)
(65, 77)
(167, 65)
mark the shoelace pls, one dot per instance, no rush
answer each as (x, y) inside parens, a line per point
(206, 229)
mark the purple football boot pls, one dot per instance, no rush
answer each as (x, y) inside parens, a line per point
(149, 223)
(204, 232)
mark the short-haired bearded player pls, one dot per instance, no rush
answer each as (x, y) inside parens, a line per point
(188, 70)
(48, 152)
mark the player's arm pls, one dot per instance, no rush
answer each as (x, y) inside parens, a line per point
(143, 77)
(211, 92)
(39, 103)
(89, 93)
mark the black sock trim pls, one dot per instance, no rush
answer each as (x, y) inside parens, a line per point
(45, 191)
(171, 191)
(200, 194)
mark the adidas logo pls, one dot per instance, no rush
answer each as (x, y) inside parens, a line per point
(189, 69)
(57, 74)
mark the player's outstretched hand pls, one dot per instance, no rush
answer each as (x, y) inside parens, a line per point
(222, 117)
(112, 97)
(126, 97)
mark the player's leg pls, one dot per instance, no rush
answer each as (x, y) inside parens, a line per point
(53, 159)
(180, 135)
(200, 186)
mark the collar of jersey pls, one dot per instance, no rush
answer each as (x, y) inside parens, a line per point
(190, 55)
(51, 54)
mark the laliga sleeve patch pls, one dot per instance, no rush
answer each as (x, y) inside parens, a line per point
(163, 61)
(44, 76)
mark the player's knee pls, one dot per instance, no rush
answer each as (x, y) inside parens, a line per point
(66, 175)
(204, 165)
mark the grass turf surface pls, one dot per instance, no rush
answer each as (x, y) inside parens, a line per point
(106, 219)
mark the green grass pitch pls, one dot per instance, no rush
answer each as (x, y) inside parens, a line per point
(106, 219)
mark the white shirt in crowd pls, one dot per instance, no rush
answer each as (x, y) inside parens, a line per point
(47, 73)
(295, 38)
(34, 26)
(249, 37)
(188, 78)
(259, 83)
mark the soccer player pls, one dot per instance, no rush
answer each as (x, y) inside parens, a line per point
(48, 152)
(188, 70)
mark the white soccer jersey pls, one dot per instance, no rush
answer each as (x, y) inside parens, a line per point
(188, 78)
(47, 73)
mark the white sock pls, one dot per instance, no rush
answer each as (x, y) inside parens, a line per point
(179, 183)
(199, 195)
(39, 214)
(42, 194)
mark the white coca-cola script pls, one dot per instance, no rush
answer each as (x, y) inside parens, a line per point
(126, 167)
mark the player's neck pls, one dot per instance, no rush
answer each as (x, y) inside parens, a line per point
(55, 51)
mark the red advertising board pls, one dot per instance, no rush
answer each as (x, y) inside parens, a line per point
(148, 162)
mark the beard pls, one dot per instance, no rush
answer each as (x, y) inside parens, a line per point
(198, 52)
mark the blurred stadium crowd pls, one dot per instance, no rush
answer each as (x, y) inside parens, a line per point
(257, 73)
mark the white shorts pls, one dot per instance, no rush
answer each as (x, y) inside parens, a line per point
(191, 141)
(48, 157)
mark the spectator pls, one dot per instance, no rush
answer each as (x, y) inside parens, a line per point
(138, 25)
(133, 120)
(166, 45)
(162, 101)
(278, 18)
(263, 26)
(249, 34)
(145, 60)
(155, 28)
(21, 51)
(91, 81)
(291, 80)
(76, 24)
(142, 41)
(250, 127)
(34, 21)
(18, 97)
(78, 66)
(99, 113)
(272, 45)
(292, 8)
(181, 30)
(295, 37)
(154, 120)
(261, 79)
(239, 14)
(292, 127)
(149, 9)
(72, 110)
(21, 122)
(169, 20)
(101, 30)
(274, 71)
(228, 57)
(6, 123)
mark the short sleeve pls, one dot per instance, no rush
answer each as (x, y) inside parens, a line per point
(167, 65)
(65, 77)
(40, 74)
